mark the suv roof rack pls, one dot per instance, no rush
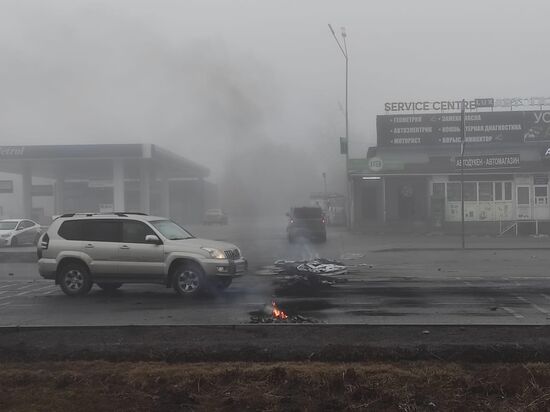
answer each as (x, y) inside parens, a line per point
(129, 213)
(121, 214)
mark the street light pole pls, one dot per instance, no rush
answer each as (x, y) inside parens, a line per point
(462, 147)
(344, 51)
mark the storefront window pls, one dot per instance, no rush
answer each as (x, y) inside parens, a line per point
(486, 191)
(508, 191)
(438, 190)
(470, 191)
(541, 191)
(453, 192)
(498, 190)
(523, 196)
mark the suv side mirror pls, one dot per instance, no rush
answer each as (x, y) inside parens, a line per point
(152, 239)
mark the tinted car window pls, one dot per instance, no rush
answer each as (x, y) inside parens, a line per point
(27, 223)
(135, 232)
(308, 213)
(103, 230)
(171, 230)
(7, 225)
(72, 230)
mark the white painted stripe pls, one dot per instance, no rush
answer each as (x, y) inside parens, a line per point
(513, 313)
(45, 287)
(32, 290)
(533, 305)
(26, 286)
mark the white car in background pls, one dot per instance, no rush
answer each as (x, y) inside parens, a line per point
(14, 232)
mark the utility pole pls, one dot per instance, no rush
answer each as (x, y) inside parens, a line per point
(325, 185)
(462, 148)
(344, 50)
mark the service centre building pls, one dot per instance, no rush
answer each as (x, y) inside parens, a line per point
(411, 179)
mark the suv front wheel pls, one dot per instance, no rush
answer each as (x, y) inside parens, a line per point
(74, 279)
(188, 279)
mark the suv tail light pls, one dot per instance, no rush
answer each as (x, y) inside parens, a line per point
(43, 244)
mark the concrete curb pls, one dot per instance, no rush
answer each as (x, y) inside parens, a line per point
(277, 342)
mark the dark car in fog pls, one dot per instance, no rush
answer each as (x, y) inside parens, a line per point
(213, 216)
(306, 222)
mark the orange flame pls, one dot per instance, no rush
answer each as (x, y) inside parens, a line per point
(278, 313)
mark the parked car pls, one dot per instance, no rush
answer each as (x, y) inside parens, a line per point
(15, 232)
(79, 250)
(215, 216)
(307, 222)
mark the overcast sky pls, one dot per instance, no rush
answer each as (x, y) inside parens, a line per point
(208, 77)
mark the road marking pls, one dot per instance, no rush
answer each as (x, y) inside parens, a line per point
(468, 284)
(512, 312)
(534, 305)
(45, 287)
(7, 286)
(26, 286)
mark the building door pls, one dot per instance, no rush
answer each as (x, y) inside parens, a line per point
(370, 202)
(406, 203)
(541, 210)
(523, 202)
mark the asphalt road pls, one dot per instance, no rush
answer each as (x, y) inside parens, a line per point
(387, 284)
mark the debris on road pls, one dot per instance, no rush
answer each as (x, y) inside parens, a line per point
(315, 266)
(312, 273)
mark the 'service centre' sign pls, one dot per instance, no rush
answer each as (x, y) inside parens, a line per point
(443, 105)
(427, 106)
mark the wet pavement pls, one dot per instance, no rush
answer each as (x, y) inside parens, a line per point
(509, 287)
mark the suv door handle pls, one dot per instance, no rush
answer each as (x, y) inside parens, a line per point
(89, 246)
(125, 247)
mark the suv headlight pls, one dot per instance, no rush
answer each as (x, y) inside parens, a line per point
(6, 234)
(215, 253)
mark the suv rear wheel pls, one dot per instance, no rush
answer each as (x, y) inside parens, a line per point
(188, 279)
(74, 279)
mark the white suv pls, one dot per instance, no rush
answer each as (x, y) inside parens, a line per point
(80, 249)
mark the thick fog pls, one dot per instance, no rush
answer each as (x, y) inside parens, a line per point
(253, 90)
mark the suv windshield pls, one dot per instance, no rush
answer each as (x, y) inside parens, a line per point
(308, 213)
(7, 225)
(171, 230)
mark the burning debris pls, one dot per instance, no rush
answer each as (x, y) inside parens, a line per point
(278, 313)
(273, 314)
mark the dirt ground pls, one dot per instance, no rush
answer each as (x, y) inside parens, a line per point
(157, 386)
